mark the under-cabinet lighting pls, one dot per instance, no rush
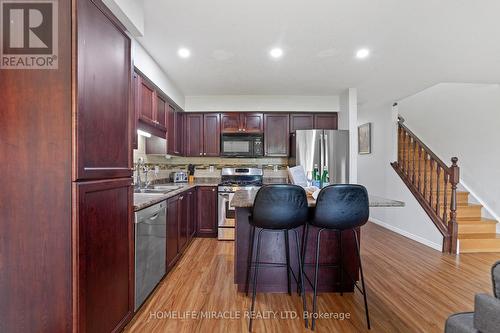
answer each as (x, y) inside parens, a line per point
(146, 134)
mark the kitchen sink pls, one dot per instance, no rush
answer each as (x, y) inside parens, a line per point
(158, 189)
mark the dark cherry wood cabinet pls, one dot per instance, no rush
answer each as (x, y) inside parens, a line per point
(146, 93)
(161, 111)
(211, 134)
(183, 221)
(102, 135)
(103, 243)
(192, 209)
(326, 121)
(172, 232)
(207, 211)
(252, 122)
(276, 134)
(242, 122)
(179, 133)
(175, 130)
(193, 140)
(301, 121)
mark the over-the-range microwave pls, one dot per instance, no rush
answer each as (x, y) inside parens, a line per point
(242, 145)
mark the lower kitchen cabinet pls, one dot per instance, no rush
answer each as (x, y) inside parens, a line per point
(207, 211)
(191, 200)
(183, 221)
(172, 231)
(103, 255)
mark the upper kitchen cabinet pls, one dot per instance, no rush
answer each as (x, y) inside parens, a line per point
(193, 134)
(242, 122)
(301, 121)
(146, 94)
(211, 134)
(230, 122)
(202, 134)
(152, 104)
(103, 145)
(326, 121)
(175, 131)
(276, 134)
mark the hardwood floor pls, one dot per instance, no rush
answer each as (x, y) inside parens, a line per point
(411, 288)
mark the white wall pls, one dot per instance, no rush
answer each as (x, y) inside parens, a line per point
(262, 103)
(147, 65)
(460, 119)
(375, 172)
(130, 13)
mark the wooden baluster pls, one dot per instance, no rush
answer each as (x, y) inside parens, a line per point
(445, 205)
(400, 146)
(413, 162)
(430, 181)
(419, 167)
(452, 223)
(438, 171)
(426, 160)
(407, 152)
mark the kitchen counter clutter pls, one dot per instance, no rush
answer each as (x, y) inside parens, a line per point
(246, 198)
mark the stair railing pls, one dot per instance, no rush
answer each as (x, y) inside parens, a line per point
(431, 181)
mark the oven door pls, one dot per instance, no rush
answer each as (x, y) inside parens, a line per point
(226, 216)
(237, 146)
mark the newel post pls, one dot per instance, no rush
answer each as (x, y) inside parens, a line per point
(452, 223)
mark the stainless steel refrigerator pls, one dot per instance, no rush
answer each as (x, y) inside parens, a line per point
(328, 148)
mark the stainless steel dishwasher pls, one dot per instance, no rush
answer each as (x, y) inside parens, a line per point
(150, 250)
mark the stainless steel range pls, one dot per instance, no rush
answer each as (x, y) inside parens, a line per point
(234, 179)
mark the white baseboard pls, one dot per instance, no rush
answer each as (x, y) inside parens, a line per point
(416, 238)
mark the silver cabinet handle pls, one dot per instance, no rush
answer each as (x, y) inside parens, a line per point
(213, 190)
(181, 197)
(154, 217)
(201, 153)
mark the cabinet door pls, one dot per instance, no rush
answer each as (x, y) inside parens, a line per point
(171, 139)
(161, 112)
(179, 133)
(230, 122)
(172, 231)
(207, 211)
(103, 147)
(193, 136)
(211, 134)
(104, 254)
(252, 122)
(276, 135)
(192, 210)
(135, 111)
(301, 121)
(146, 101)
(183, 221)
(325, 121)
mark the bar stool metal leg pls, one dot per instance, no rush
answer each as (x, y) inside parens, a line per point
(287, 253)
(301, 281)
(250, 258)
(362, 278)
(318, 239)
(252, 308)
(305, 235)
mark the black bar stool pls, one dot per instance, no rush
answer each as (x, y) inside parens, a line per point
(339, 208)
(277, 208)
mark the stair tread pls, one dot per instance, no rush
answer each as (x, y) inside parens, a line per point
(479, 236)
(475, 220)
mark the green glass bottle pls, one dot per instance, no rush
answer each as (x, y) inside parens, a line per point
(316, 177)
(325, 178)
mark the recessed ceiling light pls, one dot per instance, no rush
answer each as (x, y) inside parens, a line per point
(276, 53)
(362, 53)
(183, 52)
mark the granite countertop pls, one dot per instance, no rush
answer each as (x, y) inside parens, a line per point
(143, 200)
(245, 199)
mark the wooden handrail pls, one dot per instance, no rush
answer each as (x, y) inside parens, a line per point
(429, 179)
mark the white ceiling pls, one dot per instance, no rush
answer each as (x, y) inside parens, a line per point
(414, 44)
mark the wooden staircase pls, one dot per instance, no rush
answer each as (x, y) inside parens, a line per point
(434, 185)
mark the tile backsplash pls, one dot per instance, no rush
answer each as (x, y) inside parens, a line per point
(166, 164)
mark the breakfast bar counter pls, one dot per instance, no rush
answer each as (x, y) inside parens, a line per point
(273, 278)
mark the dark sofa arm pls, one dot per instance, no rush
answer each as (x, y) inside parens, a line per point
(487, 313)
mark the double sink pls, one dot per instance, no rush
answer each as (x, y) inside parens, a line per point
(158, 189)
